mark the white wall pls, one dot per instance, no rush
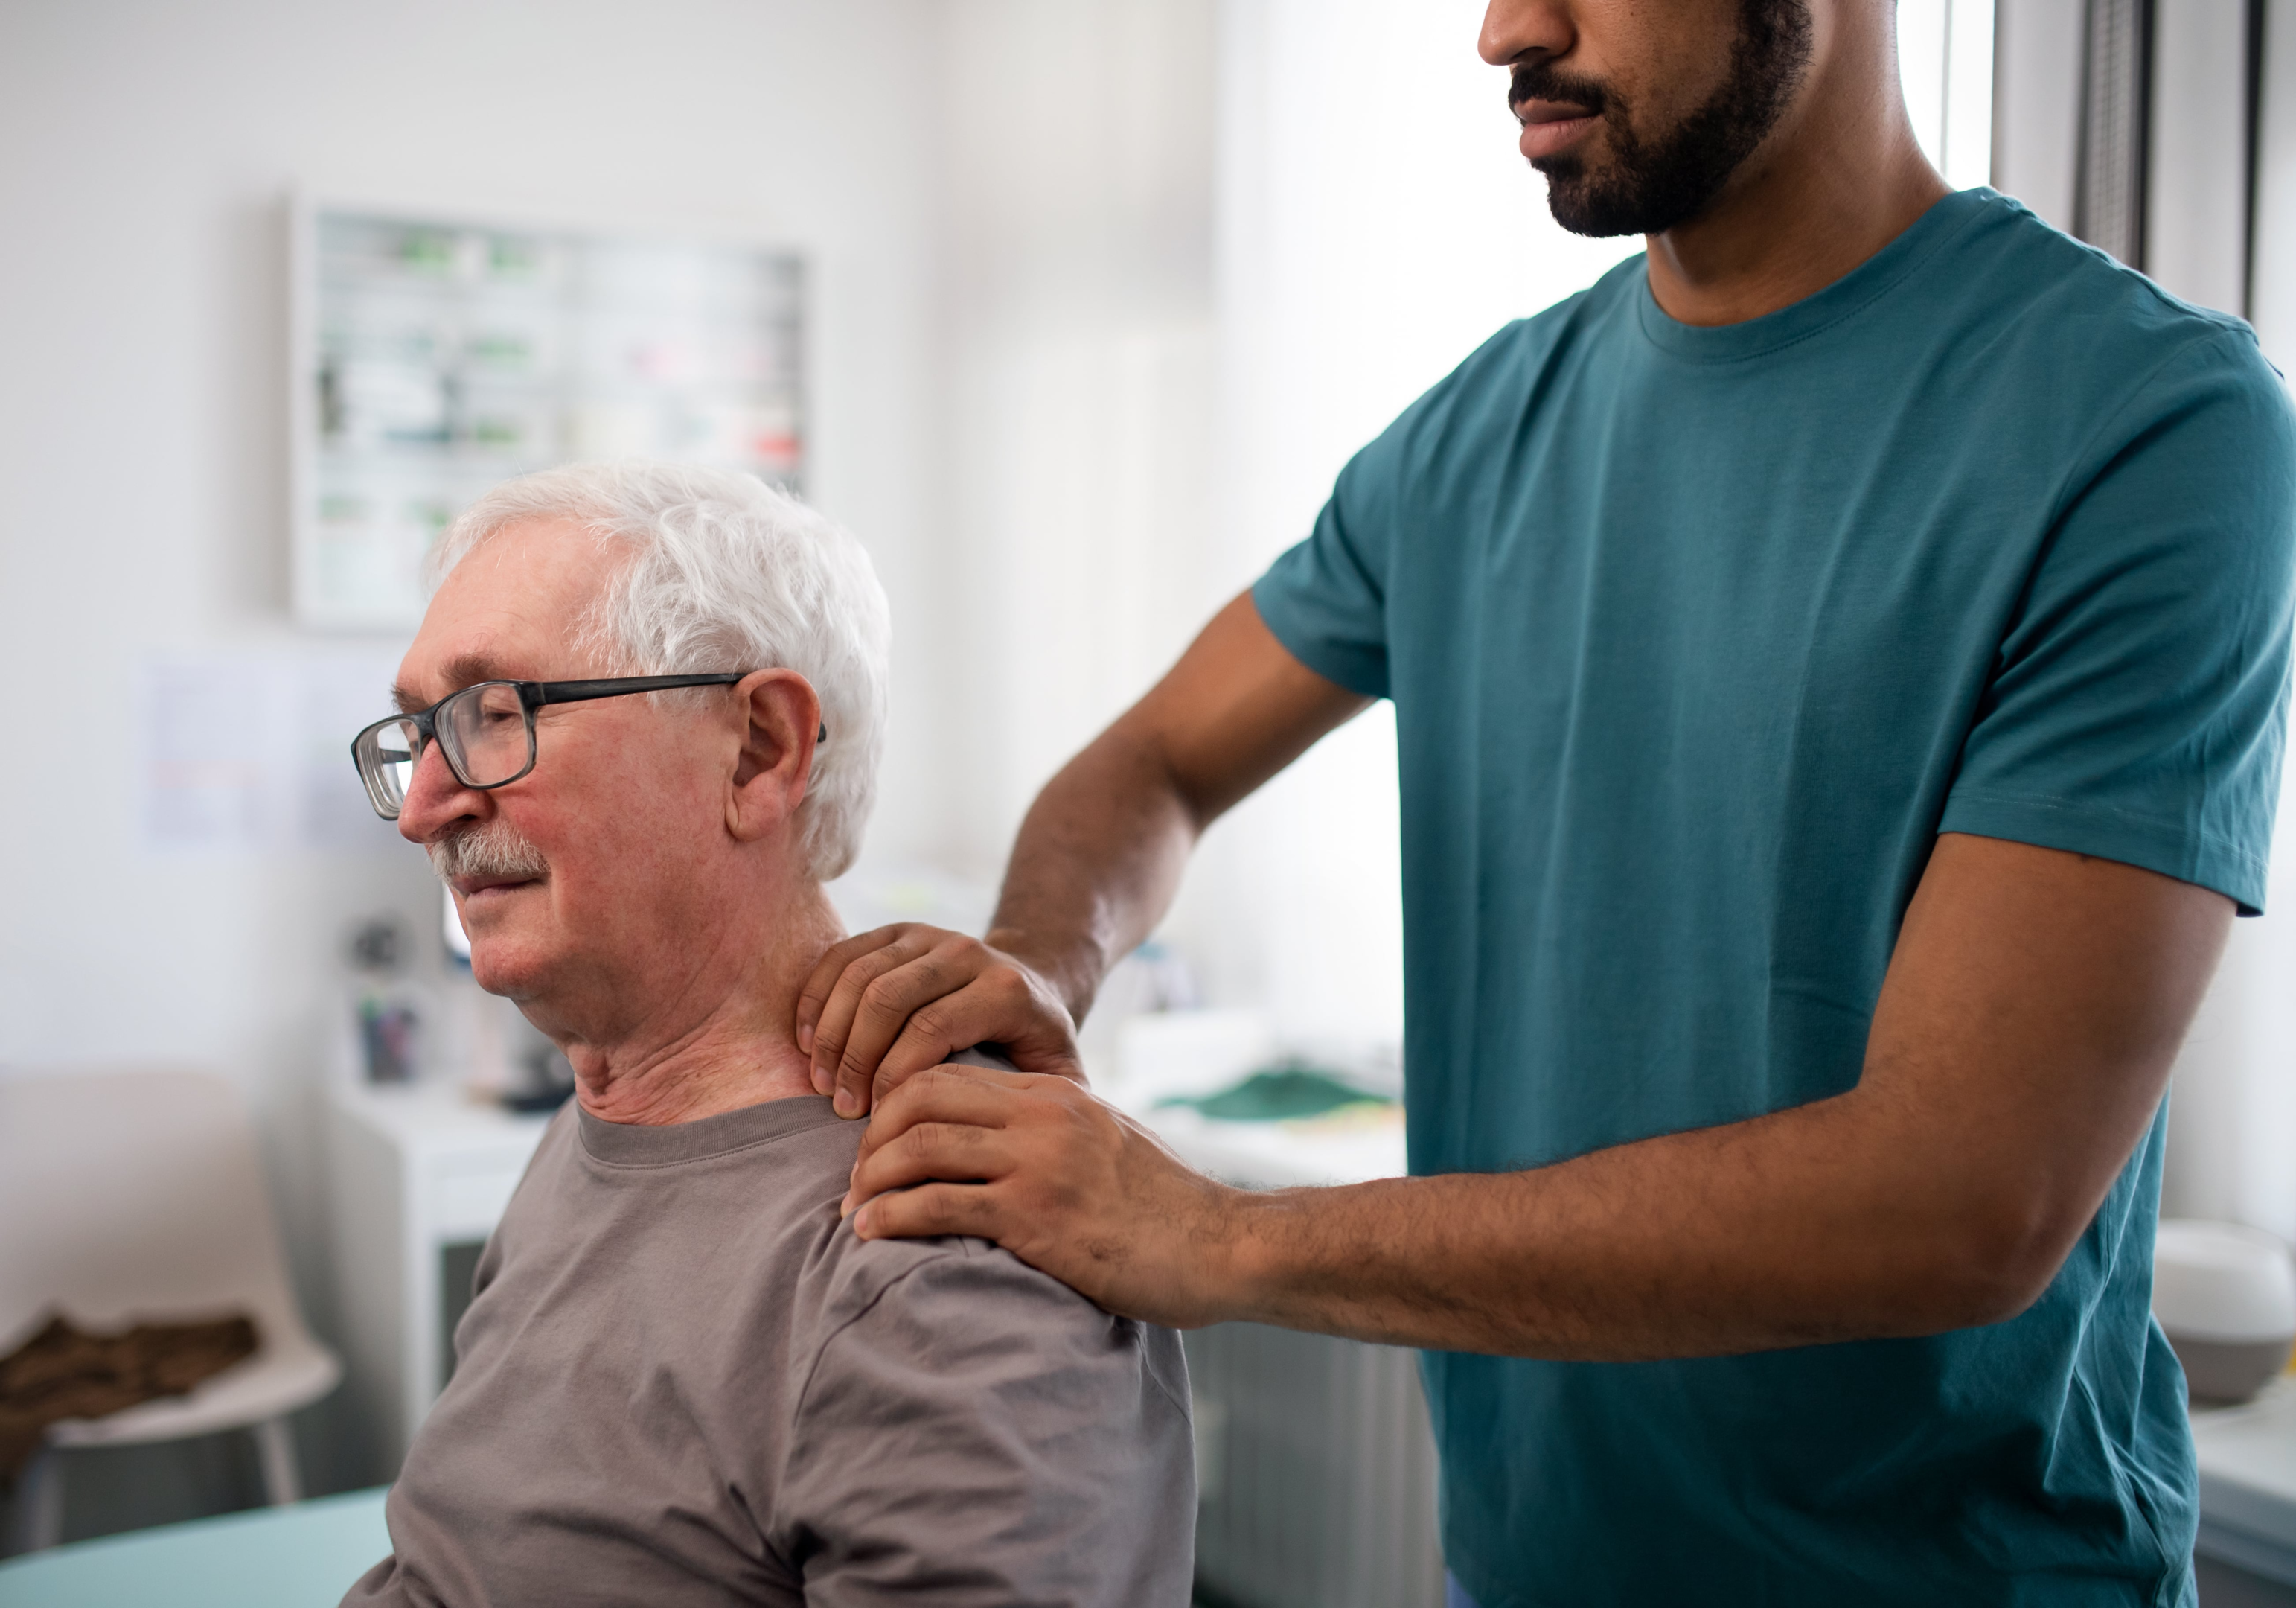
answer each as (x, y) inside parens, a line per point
(144, 150)
(1162, 355)
(1078, 306)
(1377, 223)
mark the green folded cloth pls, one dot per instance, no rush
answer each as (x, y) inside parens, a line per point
(1284, 1091)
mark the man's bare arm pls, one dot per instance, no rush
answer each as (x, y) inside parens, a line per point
(1096, 867)
(2019, 1049)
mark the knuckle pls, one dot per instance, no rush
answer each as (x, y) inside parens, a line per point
(924, 1141)
(880, 1003)
(933, 1019)
(866, 969)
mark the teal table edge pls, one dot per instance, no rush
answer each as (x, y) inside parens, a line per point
(302, 1557)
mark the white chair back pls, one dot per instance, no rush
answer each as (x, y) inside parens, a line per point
(135, 1194)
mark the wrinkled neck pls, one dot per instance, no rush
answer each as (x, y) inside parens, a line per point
(722, 1042)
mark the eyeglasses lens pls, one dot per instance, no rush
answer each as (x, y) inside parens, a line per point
(485, 734)
(387, 762)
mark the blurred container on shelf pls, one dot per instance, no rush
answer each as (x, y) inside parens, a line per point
(2226, 1296)
(393, 1015)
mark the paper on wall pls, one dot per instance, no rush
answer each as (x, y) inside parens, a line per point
(249, 750)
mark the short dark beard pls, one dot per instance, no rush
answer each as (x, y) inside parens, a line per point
(1653, 185)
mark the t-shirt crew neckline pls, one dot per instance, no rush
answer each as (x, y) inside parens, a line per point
(1855, 290)
(633, 1145)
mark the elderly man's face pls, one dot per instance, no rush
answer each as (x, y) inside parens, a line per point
(588, 879)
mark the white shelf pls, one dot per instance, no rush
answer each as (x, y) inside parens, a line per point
(2248, 1482)
(414, 1171)
(1277, 1155)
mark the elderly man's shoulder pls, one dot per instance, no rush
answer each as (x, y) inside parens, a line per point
(938, 1297)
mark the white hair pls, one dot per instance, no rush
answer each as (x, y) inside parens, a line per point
(725, 573)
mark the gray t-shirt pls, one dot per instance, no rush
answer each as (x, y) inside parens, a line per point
(683, 1380)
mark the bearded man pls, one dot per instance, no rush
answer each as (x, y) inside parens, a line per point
(639, 729)
(1838, 665)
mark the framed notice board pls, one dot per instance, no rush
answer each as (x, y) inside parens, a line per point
(433, 356)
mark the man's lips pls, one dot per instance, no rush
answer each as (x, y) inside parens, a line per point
(472, 887)
(1548, 125)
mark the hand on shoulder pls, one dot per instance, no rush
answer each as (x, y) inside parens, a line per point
(884, 1005)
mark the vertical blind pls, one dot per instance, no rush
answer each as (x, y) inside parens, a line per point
(2109, 193)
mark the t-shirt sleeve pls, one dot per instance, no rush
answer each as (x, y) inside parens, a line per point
(2137, 707)
(1325, 600)
(979, 1433)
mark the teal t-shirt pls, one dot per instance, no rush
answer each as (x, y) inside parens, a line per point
(1697, 638)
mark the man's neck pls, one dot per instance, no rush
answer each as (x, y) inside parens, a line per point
(1838, 179)
(737, 1052)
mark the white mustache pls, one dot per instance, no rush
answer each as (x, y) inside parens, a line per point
(497, 848)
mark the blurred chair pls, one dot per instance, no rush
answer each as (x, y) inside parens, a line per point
(136, 1194)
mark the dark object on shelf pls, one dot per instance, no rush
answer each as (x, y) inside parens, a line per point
(64, 1372)
(378, 945)
(1283, 1092)
(545, 1078)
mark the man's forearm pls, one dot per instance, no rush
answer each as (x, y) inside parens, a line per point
(1810, 1226)
(1101, 853)
(2017, 1056)
(1096, 867)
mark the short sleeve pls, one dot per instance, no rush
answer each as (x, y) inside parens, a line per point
(2137, 707)
(981, 1434)
(1325, 600)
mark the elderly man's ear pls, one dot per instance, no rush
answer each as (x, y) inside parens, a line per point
(780, 716)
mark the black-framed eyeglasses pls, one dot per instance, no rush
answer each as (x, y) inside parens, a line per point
(487, 731)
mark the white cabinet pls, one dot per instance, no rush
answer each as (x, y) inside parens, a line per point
(2247, 1484)
(433, 356)
(418, 1176)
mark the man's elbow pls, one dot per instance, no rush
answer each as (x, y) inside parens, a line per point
(1989, 1262)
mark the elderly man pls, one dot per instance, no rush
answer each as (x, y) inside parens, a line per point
(640, 728)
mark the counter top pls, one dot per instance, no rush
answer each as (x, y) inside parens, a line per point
(2248, 1481)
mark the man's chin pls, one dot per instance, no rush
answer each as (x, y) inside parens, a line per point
(1584, 204)
(508, 962)
(500, 973)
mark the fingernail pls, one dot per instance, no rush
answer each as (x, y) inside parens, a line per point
(820, 1080)
(845, 1206)
(863, 1220)
(805, 1037)
(848, 1104)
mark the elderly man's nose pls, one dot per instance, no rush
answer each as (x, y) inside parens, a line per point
(435, 798)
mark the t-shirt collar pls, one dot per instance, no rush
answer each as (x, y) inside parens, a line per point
(631, 1145)
(1864, 284)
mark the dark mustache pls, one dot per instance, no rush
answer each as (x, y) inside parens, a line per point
(1543, 81)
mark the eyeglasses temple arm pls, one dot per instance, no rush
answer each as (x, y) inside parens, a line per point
(539, 692)
(536, 693)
